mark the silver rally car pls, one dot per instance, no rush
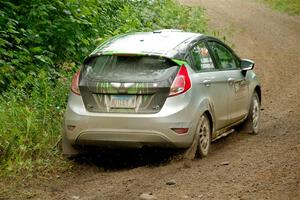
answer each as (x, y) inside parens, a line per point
(165, 88)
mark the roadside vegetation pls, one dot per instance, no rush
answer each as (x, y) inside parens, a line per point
(42, 44)
(288, 6)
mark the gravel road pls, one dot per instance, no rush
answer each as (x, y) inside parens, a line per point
(240, 166)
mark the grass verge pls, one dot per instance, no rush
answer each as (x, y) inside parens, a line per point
(288, 6)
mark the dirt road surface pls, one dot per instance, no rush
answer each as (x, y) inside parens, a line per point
(240, 166)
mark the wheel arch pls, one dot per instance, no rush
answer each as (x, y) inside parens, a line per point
(205, 106)
(210, 118)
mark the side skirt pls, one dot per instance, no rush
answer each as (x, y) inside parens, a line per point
(226, 130)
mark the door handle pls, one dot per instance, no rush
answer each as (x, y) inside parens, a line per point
(207, 82)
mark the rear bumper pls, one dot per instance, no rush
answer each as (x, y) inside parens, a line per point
(131, 130)
(123, 138)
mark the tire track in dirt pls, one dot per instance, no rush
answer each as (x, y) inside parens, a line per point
(266, 166)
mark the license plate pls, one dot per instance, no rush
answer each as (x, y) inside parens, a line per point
(122, 101)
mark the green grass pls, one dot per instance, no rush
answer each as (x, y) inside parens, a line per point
(31, 122)
(33, 101)
(289, 6)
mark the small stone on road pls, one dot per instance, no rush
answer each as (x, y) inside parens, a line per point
(171, 182)
(224, 163)
(147, 196)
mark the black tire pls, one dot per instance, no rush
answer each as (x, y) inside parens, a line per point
(201, 141)
(204, 136)
(251, 124)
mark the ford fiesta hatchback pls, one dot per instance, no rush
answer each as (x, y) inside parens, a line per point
(165, 88)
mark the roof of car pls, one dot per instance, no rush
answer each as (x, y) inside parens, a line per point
(162, 42)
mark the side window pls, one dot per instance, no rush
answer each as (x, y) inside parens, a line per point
(201, 57)
(189, 59)
(225, 59)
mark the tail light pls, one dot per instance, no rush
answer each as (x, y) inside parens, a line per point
(74, 85)
(181, 83)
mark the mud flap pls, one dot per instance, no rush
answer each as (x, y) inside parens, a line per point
(190, 153)
(68, 150)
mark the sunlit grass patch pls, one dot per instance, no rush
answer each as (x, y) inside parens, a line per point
(288, 6)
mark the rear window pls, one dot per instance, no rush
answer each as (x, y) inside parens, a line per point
(114, 68)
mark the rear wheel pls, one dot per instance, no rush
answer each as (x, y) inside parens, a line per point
(204, 136)
(202, 139)
(251, 125)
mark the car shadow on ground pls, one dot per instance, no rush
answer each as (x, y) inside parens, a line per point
(119, 159)
(123, 159)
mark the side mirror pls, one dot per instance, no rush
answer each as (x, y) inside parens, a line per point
(247, 64)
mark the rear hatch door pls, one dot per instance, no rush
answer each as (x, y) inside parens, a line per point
(126, 83)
